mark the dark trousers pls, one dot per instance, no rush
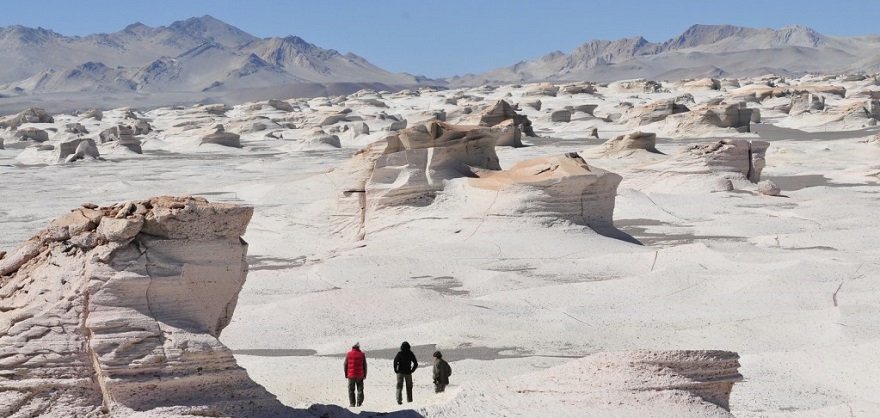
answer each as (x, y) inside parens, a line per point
(400, 379)
(360, 389)
(439, 387)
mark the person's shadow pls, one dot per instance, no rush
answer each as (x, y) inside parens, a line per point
(336, 411)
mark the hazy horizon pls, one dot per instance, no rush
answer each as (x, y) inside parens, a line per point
(460, 38)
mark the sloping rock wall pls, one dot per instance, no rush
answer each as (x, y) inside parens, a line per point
(117, 309)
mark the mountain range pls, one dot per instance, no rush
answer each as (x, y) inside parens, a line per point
(197, 54)
(212, 58)
(700, 51)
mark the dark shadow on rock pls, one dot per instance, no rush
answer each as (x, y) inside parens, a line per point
(613, 232)
(336, 411)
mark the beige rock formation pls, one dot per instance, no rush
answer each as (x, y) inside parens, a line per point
(501, 112)
(730, 158)
(768, 188)
(698, 121)
(551, 189)
(654, 112)
(221, 137)
(30, 135)
(626, 145)
(412, 168)
(31, 115)
(121, 136)
(806, 102)
(117, 309)
(541, 89)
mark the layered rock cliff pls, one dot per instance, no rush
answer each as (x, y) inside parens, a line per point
(117, 310)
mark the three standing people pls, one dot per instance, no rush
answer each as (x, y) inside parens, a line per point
(356, 371)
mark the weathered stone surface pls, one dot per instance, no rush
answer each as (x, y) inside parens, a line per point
(541, 89)
(123, 136)
(736, 116)
(412, 168)
(78, 149)
(30, 134)
(682, 383)
(221, 137)
(501, 112)
(738, 157)
(75, 128)
(551, 189)
(805, 102)
(32, 115)
(560, 116)
(472, 145)
(109, 322)
(768, 188)
(578, 88)
(280, 105)
(626, 145)
(92, 114)
(654, 112)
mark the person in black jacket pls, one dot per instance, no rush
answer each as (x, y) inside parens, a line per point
(405, 364)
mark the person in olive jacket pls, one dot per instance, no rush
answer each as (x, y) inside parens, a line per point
(442, 371)
(355, 367)
(405, 364)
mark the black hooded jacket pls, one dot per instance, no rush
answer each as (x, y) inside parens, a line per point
(405, 361)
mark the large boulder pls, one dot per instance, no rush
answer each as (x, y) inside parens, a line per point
(78, 149)
(121, 136)
(30, 135)
(117, 310)
(500, 112)
(806, 102)
(626, 145)
(654, 112)
(221, 137)
(550, 189)
(32, 115)
(709, 165)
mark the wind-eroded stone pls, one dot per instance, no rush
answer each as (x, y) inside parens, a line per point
(117, 309)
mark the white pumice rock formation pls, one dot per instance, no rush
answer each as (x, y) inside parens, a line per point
(627, 145)
(715, 166)
(219, 136)
(412, 168)
(31, 115)
(685, 383)
(552, 189)
(116, 309)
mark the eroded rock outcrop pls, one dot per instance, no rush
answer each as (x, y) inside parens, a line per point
(116, 309)
(550, 189)
(684, 383)
(219, 136)
(710, 165)
(32, 115)
(121, 136)
(503, 113)
(413, 167)
(626, 145)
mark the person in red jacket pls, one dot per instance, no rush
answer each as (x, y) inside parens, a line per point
(355, 371)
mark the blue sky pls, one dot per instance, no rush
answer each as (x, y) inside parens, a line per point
(444, 38)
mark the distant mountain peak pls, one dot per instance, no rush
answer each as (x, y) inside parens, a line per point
(212, 29)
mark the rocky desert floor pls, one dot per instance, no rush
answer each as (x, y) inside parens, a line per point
(788, 280)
